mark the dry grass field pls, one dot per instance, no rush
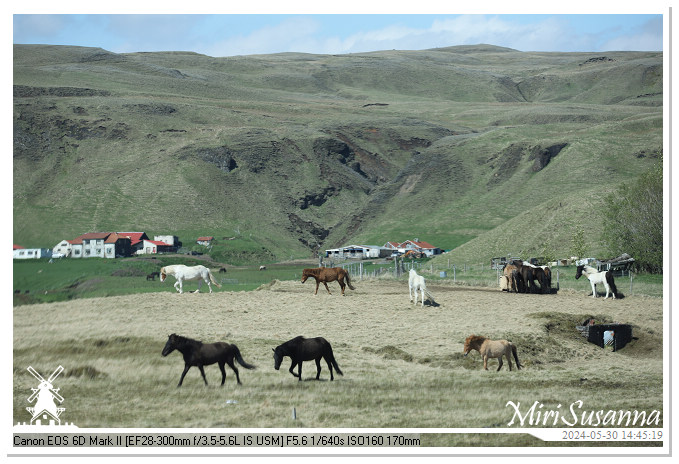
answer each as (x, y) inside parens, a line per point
(403, 364)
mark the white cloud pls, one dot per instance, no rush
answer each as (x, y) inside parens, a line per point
(294, 34)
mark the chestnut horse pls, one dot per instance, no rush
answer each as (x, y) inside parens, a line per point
(328, 274)
(491, 349)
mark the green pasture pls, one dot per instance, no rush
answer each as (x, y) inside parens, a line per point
(42, 281)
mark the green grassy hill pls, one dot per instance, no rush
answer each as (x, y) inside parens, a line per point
(295, 152)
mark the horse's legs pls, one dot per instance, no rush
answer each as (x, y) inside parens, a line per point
(235, 370)
(299, 371)
(292, 366)
(410, 292)
(329, 361)
(593, 290)
(485, 362)
(318, 368)
(178, 286)
(202, 372)
(500, 365)
(316, 292)
(221, 368)
(608, 289)
(422, 290)
(326, 287)
(509, 359)
(181, 379)
(200, 282)
(342, 285)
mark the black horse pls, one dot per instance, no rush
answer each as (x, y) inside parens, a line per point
(153, 275)
(201, 354)
(305, 349)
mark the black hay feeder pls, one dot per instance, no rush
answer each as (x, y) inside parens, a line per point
(615, 335)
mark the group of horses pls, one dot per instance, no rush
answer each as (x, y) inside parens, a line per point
(298, 349)
(521, 277)
(524, 277)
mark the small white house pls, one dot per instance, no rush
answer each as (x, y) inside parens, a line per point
(62, 249)
(32, 253)
(205, 241)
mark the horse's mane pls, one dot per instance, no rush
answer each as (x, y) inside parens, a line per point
(181, 340)
(474, 338)
(312, 271)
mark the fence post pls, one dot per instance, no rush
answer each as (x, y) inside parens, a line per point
(454, 276)
(630, 282)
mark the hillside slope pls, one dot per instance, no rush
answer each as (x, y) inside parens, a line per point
(297, 152)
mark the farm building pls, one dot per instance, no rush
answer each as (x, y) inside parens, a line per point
(101, 245)
(414, 245)
(155, 246)
(171, 240)
(136, 241)
(357, 252)
(30, 253)
(62, 249)
(206, 241)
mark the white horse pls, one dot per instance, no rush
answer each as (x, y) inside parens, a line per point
(182, 273)
(598, 277)
(415, 284)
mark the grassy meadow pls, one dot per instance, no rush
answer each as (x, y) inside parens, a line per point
(290, 153)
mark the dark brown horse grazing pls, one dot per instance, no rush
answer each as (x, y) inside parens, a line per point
(535, 278)
(328, 274)
(201, 354)
(305, 349)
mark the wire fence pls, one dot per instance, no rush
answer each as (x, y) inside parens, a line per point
(483, 274)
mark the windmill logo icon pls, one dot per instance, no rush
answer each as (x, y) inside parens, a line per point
(45, 397)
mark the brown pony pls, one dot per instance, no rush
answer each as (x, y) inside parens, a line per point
(491, 349)
(328, 274)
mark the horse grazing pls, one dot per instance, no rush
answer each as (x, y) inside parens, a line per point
(536, 279)
(597, 277)
(491, 349)
(182, 273)
(415, 284)
(262, 268)
(201, 354)
(328, 274)
(153, 275)
(305, 349)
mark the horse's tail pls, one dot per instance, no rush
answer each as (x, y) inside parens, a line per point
(212, 279)
(349, 283)
(516, 357)
(334, 364)
(240, 359)
(611, 283)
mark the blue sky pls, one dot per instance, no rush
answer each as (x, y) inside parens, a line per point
(245, 34)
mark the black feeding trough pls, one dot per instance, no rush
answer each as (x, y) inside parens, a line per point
(614, 335)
